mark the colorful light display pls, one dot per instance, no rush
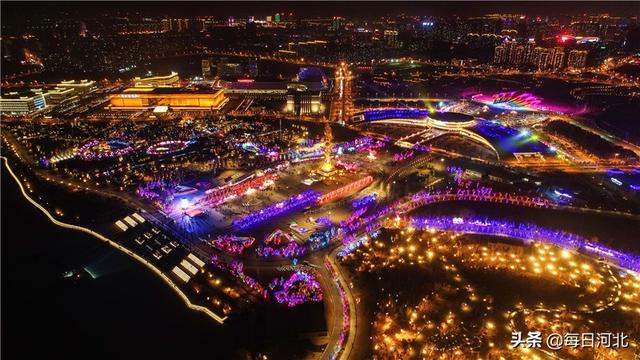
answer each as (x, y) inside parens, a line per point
(346, 311)
(345, 190)
(297, 201)
(483, 194)
(517, 101)
(232, 244)
(236, 268)
(366, 200)
(386, 114)
(167, 147)
(280, 244)
(527, 232)
(217, 196)
(300, 288)
(404, 155)
(96, 150)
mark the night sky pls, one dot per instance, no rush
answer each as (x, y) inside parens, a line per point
(313, 9)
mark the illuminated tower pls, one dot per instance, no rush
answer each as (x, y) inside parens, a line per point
(327, 166)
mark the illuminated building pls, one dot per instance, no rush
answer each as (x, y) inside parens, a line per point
(557, 57)
(228, 69)
(306, 49)
(176, 98)
(178, 25)
(511, 47)
(80, 87)
(507, 143)
(541, 58)
(500, 54)
(261, 89)
(450, 120)
(338, 23)
(304, 103)
(206, 69)
(170, 80)
(577, 59)
(166, 25)
(302, 97)
(528, 53)
(58, 95)
(24, 102)
(391, 38)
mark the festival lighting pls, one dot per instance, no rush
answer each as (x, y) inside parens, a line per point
(346, 311)
(232, 244)
(217, 196)
(389, 114)
(236, 268)
(167, 147)
(184, 204)
(280, 244)
(369, 199)
(297, 201)
(346, 190)
(97, 150)
(300, 288)
(527, 232)
(483, 194)
(518, 101)
(404, 155)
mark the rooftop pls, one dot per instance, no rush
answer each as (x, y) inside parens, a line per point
(452, 117)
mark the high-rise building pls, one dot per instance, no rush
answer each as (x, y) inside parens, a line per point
(542, 58)
(500, 55)
(518, 55)
(391, 38)
(511, 51)
(251, 29)
(528, 53)
(166, 25)
(577, 59)
(206, 69)
(557, 57)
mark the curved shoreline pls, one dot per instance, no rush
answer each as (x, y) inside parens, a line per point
(117, 246)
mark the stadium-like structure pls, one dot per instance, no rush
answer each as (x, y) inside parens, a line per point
(506, 142)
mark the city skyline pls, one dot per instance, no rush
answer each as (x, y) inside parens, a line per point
(363, 180)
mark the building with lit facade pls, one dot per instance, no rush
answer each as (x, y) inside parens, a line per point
(507, 143)
(59, 95)
(25, 102)
(577, 59)
(138, 98)
(79, 86)
(450, 120)
(391, 38)
(511, 53)
(304, 103)
(206, 68)
(171, 80)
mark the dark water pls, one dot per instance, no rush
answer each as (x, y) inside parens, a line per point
(126, 312)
